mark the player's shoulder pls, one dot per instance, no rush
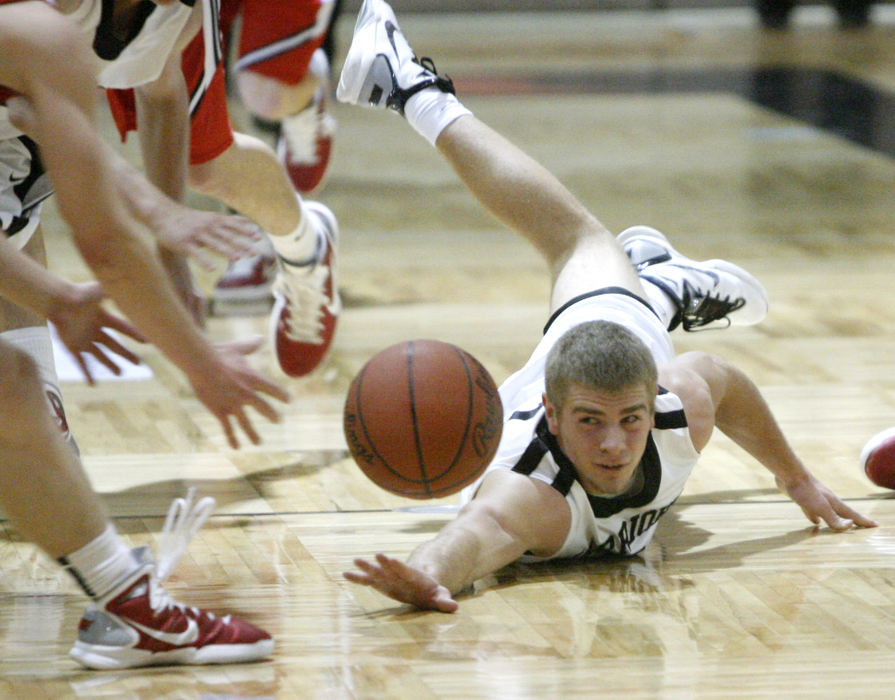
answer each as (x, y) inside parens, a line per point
(689, 377)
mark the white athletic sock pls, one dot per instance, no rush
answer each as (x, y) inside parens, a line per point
(299, 246)
(662, 304)
(431, 111)
(100, 564)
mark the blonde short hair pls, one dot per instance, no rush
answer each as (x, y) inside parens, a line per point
(599, 355)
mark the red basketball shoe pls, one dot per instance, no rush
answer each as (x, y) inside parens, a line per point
(137, 623)
(306, 138)
(249, 279)
(306, 301)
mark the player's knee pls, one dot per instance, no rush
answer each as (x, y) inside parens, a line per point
(205, 178)
(262, 96)
(273, 99)
(18, 375)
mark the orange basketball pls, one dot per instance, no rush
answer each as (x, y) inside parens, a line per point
(423, 418)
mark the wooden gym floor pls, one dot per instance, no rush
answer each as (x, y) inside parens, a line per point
(772, 150)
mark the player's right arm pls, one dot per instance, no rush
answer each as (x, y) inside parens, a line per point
(716, 393)
(511, 515)
(47, 61)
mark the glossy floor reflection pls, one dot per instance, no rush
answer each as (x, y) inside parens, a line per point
(771, 149)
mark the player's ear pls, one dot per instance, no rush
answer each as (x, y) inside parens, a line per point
(551, 413)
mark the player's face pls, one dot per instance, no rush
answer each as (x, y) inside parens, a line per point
(603, 434)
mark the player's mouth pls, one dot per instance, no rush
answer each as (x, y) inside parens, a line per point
(612, 467)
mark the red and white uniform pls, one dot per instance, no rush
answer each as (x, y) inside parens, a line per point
(202, 61)
(140, 58)
(124, 64)
(23, 183)
(277, 37)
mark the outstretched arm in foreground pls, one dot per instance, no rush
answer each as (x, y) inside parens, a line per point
(75, 309)
(177, 227)
(50, 72)
(731, 401)
(510, 515)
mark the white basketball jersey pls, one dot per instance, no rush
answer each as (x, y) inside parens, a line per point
(625, 524)
(139, 58)
(619, 525)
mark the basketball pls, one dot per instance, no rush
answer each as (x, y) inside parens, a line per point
(423, 418)
(878, 458)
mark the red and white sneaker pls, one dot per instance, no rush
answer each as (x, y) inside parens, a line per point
(306, 301)
(137, 623)
(306, 138)
(249, 279)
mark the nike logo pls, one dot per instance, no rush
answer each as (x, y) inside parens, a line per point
(716, 278)
(390, 29)
(177, 639)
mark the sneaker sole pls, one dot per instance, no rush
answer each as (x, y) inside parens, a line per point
(100, 657)
(362, 53)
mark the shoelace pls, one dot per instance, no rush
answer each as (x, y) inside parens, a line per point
(185, 518)
(306, 297)
(701, 312)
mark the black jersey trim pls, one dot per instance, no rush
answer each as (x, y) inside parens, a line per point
(106, 44)
(531, 457)
(669, 420)
(543, 440)
(211, 36)
(594, 293)
(525, 415)
(31, 191)
(36, 187)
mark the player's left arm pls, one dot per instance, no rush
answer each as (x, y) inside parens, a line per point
(163, 121)
(715, 393)
(510, 515)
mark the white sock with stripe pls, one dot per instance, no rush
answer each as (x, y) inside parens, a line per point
(101, 563)
(299, 246)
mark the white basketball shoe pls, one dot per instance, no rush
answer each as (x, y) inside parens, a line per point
(381, 70)
(705, 293)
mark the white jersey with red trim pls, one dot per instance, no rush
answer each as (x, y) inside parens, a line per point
(132, 61)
